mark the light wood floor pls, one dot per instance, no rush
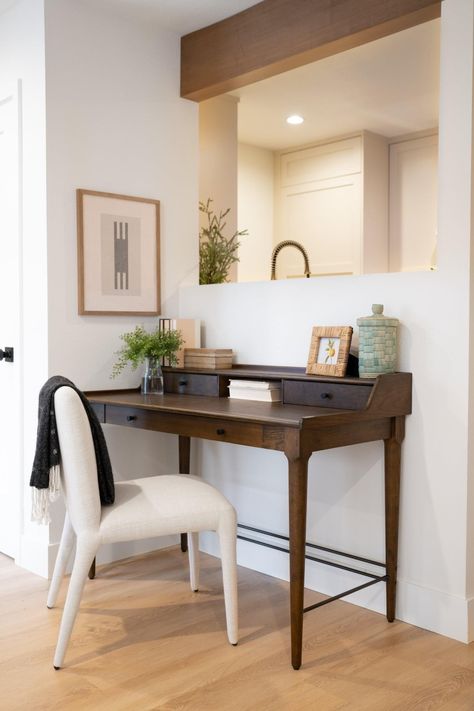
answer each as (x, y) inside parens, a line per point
(143, 641)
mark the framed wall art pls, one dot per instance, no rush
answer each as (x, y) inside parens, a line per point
(118, 244)
(329, 350)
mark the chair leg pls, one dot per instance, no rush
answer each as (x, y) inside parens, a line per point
(193, 552)
(65, 548)
(85, 553)
(228, 540)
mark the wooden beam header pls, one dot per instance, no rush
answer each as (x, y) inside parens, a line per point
(277, 35)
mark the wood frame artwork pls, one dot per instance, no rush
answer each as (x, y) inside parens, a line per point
(329, 350)
(118, 254)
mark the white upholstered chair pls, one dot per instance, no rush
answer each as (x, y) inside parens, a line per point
(143, 508)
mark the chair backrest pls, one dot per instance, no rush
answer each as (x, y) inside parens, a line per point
(78, 463)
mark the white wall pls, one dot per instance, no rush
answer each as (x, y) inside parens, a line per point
(115, 123)
(22, 58)
(218, 161)
(255, 201)
(271, 323)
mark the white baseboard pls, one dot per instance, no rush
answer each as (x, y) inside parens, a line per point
(39, 557)
(470, 618)
(117, 551)
(434, 610)
(34, 555)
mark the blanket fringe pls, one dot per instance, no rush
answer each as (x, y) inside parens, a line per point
(42, 497)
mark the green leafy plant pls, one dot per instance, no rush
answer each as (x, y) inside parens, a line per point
(140, 344)
(216, 252)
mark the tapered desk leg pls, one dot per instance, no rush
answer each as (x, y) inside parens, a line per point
(297, 493)
(184, 460)
(392, 504)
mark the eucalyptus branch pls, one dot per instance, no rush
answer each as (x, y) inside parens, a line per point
(216, 252)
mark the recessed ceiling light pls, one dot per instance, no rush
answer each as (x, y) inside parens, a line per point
(294, 119)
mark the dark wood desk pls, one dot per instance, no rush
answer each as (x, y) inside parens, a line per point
(316, 413)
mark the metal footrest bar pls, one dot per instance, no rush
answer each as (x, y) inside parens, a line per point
(313, 545)
(380, 579)
(374, 578)
(309, 557)
(342, 567)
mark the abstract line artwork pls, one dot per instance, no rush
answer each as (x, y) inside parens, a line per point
(118, 251)
(121, 254)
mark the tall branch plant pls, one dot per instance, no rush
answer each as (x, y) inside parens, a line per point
(216, 252)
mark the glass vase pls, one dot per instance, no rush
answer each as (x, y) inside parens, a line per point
(152, 380)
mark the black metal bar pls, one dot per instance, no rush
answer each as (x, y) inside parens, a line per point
(262, 543)
(309, 557)
(341, 567)
(313, 545)
(260, 530)
(347, 555)
(380, 579)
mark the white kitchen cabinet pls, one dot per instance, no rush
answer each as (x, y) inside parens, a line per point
(333, 199)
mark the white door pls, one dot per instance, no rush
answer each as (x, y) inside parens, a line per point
(10, 312)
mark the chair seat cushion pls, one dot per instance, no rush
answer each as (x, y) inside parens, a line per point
(161, 505)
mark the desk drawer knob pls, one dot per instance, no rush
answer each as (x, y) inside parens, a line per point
(326, 396)
(131, 418)
(220, 432)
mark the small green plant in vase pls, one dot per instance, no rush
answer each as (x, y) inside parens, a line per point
(142, 346)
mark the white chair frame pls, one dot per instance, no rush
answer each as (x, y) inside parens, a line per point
(143, 508)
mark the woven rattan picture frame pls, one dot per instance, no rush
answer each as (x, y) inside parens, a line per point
(329, 350)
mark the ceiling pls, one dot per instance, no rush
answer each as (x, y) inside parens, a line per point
(5, 4)
(389, 86)
(182, 16)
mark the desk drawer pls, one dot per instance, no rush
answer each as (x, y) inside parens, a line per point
(339, 395)
(204, 427)
(191, 384)
(99, 409)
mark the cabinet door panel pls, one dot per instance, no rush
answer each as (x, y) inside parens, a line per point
(331, 160)
(413, 204)
(325, 217)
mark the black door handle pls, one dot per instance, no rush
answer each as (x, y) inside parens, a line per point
(6, 354)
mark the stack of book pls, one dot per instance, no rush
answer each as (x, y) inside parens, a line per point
(211, 358)
(255, 390)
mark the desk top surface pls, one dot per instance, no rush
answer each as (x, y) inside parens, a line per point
(272, 413)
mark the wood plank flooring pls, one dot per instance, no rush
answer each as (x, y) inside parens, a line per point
(143, 641)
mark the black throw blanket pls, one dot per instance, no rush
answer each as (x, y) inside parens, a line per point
(45, 474)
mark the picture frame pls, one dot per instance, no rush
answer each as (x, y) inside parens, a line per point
(329, 350)
(118, 254)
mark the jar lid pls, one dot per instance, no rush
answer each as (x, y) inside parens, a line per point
(377, 318)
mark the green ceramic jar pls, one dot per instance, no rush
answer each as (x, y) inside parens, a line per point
(377, 343)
